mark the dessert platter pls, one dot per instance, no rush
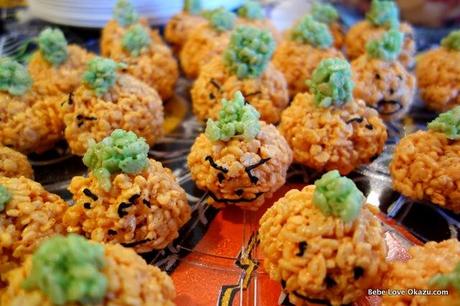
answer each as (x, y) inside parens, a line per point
(219, 160)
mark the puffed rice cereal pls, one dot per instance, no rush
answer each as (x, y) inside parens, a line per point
(14, 164)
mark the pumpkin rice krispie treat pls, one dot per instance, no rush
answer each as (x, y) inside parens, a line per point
(14, 164)
(438, 74)
(244, 67)
(206, 41)
(433, 266)
(329, 129)
(126, 198)
(251, 13)
(382, 16)
(381, 81)
(28, 215)
(327, 14)
(57, 66)
(107, 101)
(239, 160)
(309, 43)
(322, 244)
(426, 164)
(29, 120)
(72, 271)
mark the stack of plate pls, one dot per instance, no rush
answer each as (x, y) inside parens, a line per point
(95, 13)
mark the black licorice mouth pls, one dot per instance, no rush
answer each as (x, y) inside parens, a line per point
(360, 120)
(233, 201)
(394, 104)
(306, 298)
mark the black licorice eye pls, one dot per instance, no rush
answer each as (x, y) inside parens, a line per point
(220, 177)
(87, 205)
(239, 192)
(330, 282)
(358, 272)
(377, 76)
(302, 248)
(122, 209)
(90, 194)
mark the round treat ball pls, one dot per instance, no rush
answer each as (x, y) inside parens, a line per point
(428, 265)
(14, 164)
(28, 215)
(320, 258)
(113, 276)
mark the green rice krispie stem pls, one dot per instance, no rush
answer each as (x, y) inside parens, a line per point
(136, 40)
(388, 47)
(331, 83)
(122, 151)
(452, 41)
(338, 196)
(448, 280)
(53, 46)
(324, 12)
(124, 13)
(193, 7)
(249, 52)
(221, 19)
(14, 77)
(447, 123)
(235, 118)
(310, 31)
(68, 269)
(383, 13)
(5, 197)
(251, 10)
(101, 74)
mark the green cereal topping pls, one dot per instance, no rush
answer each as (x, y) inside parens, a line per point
(251, 10)
(14, 77)
(53, 46)
(5, 197)
(249, 52)
(447, 280)
(447, 123)
(136, 40)
(338, 196)
(235, 118)
(101, 74)
(124, 13)
(324, 12)
(310, 31)
(221, 19)
(68, 269)
(452, 41)
(383, 13)
(387, 47)
(193, 7)
(122, 151)
(331, 82)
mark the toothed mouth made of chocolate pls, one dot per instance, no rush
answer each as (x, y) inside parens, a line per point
(394, 105)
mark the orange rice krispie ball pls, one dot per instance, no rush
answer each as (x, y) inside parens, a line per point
(126, 197)
(29, 121)
(322, 245)
(434, 266)
(72, 271)
(107, 101)
(207, 40)
(308, 44)
(243, 67)
(381, 81)
(329, 129)
(327, 14)
(14, 164)
(239, 160)
(382, 16)
(56, 63)
(438, 74)
(251, 13)
(28, 215)
(426, 164)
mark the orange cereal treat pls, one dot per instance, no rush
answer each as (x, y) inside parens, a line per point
(251, 13)
(309, 43)
(107, 101)
(239, 160)
(72, 271)
(56, 65)
(29, 121)
(243, 67)
(426, 164)
(126, 198)
(438, 74)
(180, 26)
(327, 14)
(328, 129)
(28, 215)
(207, 40)
(433, 266)
(321, 244)
(382, 16)
(14, 164)
(381, 81)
